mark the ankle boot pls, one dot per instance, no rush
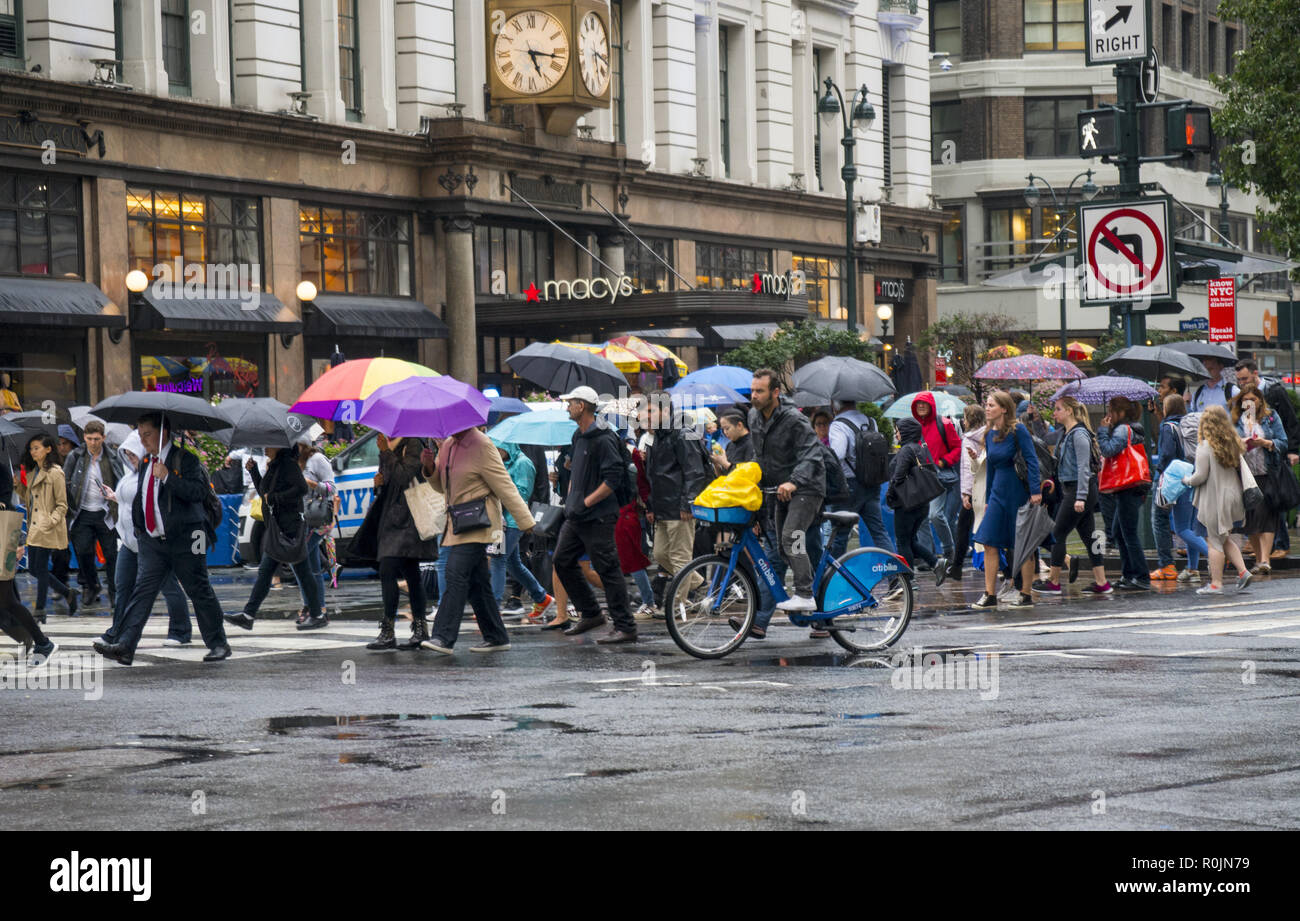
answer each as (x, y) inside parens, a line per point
(419, 633)
(386, 639)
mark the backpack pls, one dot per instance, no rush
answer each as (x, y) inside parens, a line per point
(212, 508)
(1229, 391)
(837, 487)
(1046, 459)
(1178, 442)
(1189, 434)
(870, 461)
(625, 491)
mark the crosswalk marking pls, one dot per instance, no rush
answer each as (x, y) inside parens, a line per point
(1221, 625)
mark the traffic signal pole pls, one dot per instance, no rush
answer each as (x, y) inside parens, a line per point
(1128, 77)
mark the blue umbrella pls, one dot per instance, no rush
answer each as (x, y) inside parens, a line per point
(1102, 389)
(545, 427)
(945, 404)
(508, 405)
(738, 379)
(698, 394)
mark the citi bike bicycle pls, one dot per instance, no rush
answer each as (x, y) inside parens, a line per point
(864, 598)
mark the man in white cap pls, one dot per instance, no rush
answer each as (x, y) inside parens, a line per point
(597, 476)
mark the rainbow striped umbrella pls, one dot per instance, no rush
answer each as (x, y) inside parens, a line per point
(340, 391)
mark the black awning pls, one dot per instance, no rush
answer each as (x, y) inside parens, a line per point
(261, 313)
(359, 315)
(56, 302)
(733, 336)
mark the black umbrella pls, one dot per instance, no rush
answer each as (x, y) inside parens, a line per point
(561, 368)
(179, 411)
(261, 422)
(34, 422)
(11, 441)
(1199, 350)
(1152, 362)
(842, 378)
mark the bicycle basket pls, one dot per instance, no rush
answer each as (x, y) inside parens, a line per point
(733, 515)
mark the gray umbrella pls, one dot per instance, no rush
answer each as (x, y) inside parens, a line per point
(115, 433)
(1033, 523)
(1199, 350)
(179, 411)
(261, 422)
(561, 368)
(842, 378)
(805, 399)
(1152, 362)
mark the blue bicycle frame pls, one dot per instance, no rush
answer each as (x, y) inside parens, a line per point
(827, 566)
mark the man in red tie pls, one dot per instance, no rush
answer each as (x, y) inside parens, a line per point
(170, 522)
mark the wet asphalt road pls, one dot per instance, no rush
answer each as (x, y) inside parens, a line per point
(1154, 711)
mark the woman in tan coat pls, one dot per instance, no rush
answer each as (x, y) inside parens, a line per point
(1218, 497)
(46, 497)
(469, 471)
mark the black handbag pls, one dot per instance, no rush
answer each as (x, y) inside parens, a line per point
(1283, 488)
(318, 511)
(465, 516)
(280, 547)
(920, 487)
(547, 518)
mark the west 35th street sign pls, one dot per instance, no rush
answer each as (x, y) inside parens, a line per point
(1117, 30)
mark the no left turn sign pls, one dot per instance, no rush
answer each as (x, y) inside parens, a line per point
(1126, 249)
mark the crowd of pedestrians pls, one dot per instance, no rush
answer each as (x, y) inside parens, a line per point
(459, 520)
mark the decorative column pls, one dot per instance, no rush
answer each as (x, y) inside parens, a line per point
(462, 339)
(611, 252)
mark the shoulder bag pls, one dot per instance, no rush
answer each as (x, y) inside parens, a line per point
(1251, 495)
(465, 516)
(921, 485)
(1127, 469)
(279, 546)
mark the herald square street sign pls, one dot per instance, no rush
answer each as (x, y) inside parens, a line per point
(1127, 252)
(1117, 30)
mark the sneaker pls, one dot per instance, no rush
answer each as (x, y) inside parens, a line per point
(797, 603)
(1244, 579)
(1096, 589)
(1043, 587)
(940, 571)
(1074, 568)
(986, 601)
(542, 609)
(1261, 569)
(1164, 574)
(1133, 585)
(518, 610)
(1190, 575)
(1024, 601)
(173, 641)
(645, 612)
(490, 647)
(42, 654)
(436, 646)
(1008, 592)
(1210, 590)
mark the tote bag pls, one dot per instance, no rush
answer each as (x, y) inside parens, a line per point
(919, 488)
(11, 538)
(421, 499)
(1127, 469)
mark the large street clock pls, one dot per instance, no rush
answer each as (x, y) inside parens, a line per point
(555, 55)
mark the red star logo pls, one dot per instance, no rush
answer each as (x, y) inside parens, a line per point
(758, 283)
(531, 292)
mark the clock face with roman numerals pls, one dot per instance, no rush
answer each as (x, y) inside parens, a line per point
(531, 52)
(593, 54)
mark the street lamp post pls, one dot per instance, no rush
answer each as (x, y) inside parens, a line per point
(1089, 191)
(1216, 178)
(885, 313)
(860, 111)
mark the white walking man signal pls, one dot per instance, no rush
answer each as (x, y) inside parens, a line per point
(1089, 131)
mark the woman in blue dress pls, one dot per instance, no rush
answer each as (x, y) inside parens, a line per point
(1004, 440)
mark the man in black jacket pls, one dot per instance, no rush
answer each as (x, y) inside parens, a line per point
(88, 470)
(675, 467)
(170, 521)
(787, 449)
(590, 511)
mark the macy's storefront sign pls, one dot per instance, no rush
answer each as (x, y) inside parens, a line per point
(787, 285)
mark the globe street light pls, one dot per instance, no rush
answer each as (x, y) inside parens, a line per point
(858, 112)
(1032, 196)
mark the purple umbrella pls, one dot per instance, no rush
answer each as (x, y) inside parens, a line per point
(425, 407)
(1102, 389)
(1029, 368)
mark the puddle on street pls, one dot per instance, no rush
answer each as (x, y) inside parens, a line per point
(372, 759)
(823, 660)
(606, 772)
(282, 725)
(868, 716)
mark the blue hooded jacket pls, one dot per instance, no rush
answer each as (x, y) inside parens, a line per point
(522, 473)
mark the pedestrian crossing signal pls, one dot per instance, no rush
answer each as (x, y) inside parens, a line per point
(1187, 130)
(1098, 132)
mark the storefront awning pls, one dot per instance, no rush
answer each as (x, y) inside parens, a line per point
(357, 315)
(56, 302)
(264, 314)
(681, 335)
(733, 336)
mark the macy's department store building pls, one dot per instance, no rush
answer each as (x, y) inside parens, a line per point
(422, 245)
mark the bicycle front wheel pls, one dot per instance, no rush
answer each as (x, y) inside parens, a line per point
(708, 612)
(889, 585)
